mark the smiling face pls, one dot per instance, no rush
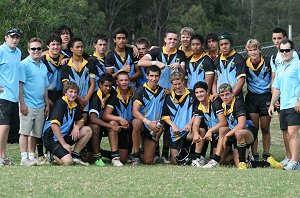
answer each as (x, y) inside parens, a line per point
(54, 48)
(286, 52)
(185, 40)
(35, 50)
(253, 53)
(71, 94)
(201, 94)
(178, 86)
(171, 40)
(153, 78)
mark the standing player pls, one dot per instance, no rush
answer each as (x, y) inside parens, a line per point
(186, 34)
(259, 96)
(178, 114)
(287, 86)
(143, 46)
(78, 70)
(199, 67)
(10, 57)
(211, 42)
(147, 109)
(66, 35)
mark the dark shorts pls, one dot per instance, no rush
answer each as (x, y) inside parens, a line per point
(54, 147)
(147, 134)
(9, 113)
(215, 139)
(258, 103)
(252, 129)
(289, 117)
(54, 95)
(179, 144)
(123, 139)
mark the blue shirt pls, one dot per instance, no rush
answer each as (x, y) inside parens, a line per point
(35, 81)
(9, 72)
(287, 80)
(277, 61)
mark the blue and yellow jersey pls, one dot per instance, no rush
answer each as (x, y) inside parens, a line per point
(259, 76)
(163, 56)
(151, 102)
(230, 69)
(115, 61)
(63, 114)
(233, 111)
(121, 107)
(209, 115)
(179, 110)
(196, 70)
(98, 65)
(54, 71)
(98, 102)
(187, 55)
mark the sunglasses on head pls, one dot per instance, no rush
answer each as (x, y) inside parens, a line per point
(285, 50)
(36, 48)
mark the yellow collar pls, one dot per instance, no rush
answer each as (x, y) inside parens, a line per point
(103, 100)
(48, 58)
(165, 51)
(249, 64)
(71, 105)
(193, 60)
(98, 56)
(153, 91)
(202, 107)
(230, 110)
(186, 92)
(222, 57)
(84, 62)
(119, 96)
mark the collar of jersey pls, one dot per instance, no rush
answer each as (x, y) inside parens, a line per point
(103, 100)
(230, 110)
(48, 58)
(193, 59)
(98, 56)
(165, 51)
(119, 96)
(84, 62)
(186, 92)
(249, 64)
(202, 108)
(71, 105)
(222, 57)
(187, 55)
(153, 91)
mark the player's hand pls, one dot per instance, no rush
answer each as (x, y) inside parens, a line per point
(50, 103)
(175, 130)
(188, 127)
(297, 107)
(124, 123)
(135, 51)
(154, 127)
(46, 111)
(75, 134)
(208, 135)
(160, 65)
(271, 110)
(81, 101)
(24, 109)
(126, 68)
(167, 91)
(174, 65)
(67, 147)
(213, 97)
(196, 138)
(277, 104)
(64, 61)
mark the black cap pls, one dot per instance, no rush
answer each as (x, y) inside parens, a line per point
(13, 31)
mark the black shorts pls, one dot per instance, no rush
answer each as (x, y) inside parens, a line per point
(147, 134)
(179, 144)
(54, 147)
(289, 117)
(54, 95)
(9, 113)
(258, 103)
(252, 129)
(215, 139)
(123, 139)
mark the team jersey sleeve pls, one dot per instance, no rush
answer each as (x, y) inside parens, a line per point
(153, 53)
(22, 73)
(95, 104)
(239, 108)
(112, 100)
(208, 65)
(78, 114)
(64, 73)
(92, 69)
(240, 67)
(197, 112)
(165, 111)
(57, 113)
(217, 105)
(109, 61)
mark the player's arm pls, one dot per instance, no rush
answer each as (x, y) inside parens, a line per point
(91, 88)
(137, 73)
(196, 129)
(175, 129)
(108, 116)
(145, 61)
(239, 85)
(23, 107)
(241, 125)
(47, 105)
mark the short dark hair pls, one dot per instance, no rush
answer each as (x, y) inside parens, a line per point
(170, 31)
(120, 30)
(201, 85)
(106, 77)
(198, 37)
(143, 41)
(53, 37)
(211, 36)
(280, 30)
(153, 68)
(285, 41)
(72, 41)
(34, 39)
(70, 85)
(100, 36)
(64, 28)
(122, 73)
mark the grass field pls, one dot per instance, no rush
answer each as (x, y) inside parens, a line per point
(149, 181)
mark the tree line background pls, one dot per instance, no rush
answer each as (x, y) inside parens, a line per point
(244, 19)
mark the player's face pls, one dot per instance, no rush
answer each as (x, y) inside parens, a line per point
(185, 40)
(120, 41)
(286, 56)
(71, 94)
(171, 40)
(153, 78)
(178, 86)
(201, 94)
(77, 48)
(12, 41)
(123, 82)
(35, 50)
(100, 46)
(225, 46)
(212, 45)
(226, 97)
(142, 50)
(54, 48)
(253, 53)
(277, 38)
(65, 37)
(105, 87)
(196, 46)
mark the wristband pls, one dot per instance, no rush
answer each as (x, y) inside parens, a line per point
(146, 121)
(153, 62)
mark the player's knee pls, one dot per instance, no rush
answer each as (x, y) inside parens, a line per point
(239, 135)
(67, 160)
(148, 161)
(265, 130)
(223, 131)
(136, 123)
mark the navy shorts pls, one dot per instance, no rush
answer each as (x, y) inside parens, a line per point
(258, 103)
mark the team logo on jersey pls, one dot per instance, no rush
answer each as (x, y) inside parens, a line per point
(191, 100)
(266, 68)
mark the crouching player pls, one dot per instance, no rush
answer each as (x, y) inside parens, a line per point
(65, 127)
(212, 114)
(240, 127)
(178, 113)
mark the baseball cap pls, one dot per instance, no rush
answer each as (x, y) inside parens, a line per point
(13, 31)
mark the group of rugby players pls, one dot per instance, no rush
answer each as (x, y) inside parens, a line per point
(134, 94)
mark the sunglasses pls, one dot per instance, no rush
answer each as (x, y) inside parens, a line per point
(285, 50)
(36, 48)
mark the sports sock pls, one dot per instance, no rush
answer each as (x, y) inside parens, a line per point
(24, 155)
(217, 158)
(165, 151)
(40, 147)
(75, 155)
(106, 153)
(266, 155)
(242, 151)
(97, 156)
(157, 150)
(114, 154)
(31, 156)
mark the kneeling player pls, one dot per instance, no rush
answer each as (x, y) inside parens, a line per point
(65, 128)
(240, 126)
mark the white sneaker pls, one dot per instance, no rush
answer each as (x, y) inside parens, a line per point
(156, 160)
(80, 162)
(285, 161)
(199, 162)
(116, 162)
(292, 165)
(27, 162)
(211, 164)
(165, 160)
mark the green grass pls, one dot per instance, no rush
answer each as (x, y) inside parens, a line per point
(149, 181)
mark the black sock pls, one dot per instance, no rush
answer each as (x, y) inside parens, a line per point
(40, 147)
(242, 151)
(204, 149)
(114, 154)
(217, 158)
(75, 155)
(266, 155)
(196, 155)
(97, 156)
(157, 150)
(106, 154)
(255, 156)
(136, 155)
(165, 151)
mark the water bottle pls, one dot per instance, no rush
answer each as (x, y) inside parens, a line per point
(153, 134)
